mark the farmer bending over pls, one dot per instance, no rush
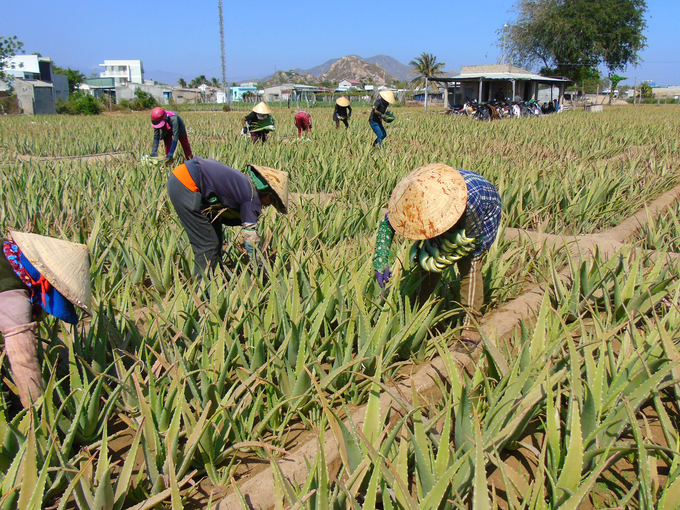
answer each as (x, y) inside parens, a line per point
(456, 213)
(207, 194)
(259, 122)
(169, 127)
(303, 122)
(38, 274)
(342, 112)
(378, 114)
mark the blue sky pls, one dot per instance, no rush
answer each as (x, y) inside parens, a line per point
(181, 39)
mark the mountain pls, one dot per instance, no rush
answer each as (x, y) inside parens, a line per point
(356, 68)
(395, 68)
(382, 69)
(374, 70)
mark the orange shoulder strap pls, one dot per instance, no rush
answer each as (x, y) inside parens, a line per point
(182, 173)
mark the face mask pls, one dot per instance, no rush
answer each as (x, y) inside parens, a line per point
(261, 116)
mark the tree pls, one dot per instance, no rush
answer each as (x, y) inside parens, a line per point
(9, 46)
(645, 90)
(198, 81)
(215, 82)
(74, 77)
(182, 83)
(573, 37)
(615, 79)
(426, 67)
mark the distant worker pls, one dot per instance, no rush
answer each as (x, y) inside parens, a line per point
(456, 213)
(343, 111)
(207, 194)
(378, 115)
(303, 122)
(169, 127)
(259, 122)
(38, 274)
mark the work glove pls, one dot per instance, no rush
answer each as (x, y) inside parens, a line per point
(383, 277)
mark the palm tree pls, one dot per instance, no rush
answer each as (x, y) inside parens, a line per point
(215, 82)
(426, 67)
(182, 83)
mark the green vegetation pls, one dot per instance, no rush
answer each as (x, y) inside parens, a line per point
(170, 381)
(610, 33)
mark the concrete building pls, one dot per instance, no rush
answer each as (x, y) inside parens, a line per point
(289, 92)
(237, 92)
(488, 82)
(35, 97)
(162, 93)
(123, 71)
(35, 83)
(672, 92)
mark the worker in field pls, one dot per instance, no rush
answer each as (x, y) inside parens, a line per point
(342, 112)
(303, 122)
(38, 275)
(169, 127)
(378, 114)
(207, 194)
(453, 215)
(259, 122)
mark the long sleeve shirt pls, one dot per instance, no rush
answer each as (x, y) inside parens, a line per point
(379, 107)
(343, 111)
(227, 187)
(480, 220)
(178, 130)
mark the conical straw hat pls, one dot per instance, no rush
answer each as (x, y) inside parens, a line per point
(428, 201)
(278, 181)
(342, 101)
(261, 108)
(388, 96)
(64, 264)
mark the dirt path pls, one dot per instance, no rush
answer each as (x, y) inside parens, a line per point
(87, 159)
(498, 327)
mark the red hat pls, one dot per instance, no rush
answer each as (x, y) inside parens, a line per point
(158, 116)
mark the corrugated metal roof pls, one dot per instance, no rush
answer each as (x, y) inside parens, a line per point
(503, 76)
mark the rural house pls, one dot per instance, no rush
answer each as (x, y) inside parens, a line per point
(123, 71)
(347, 84)
(487, 82)
(36, 85)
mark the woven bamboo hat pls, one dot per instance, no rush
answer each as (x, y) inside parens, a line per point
(278, 181)
(342, 101)
(64, 264)
(388, 96)
(428, 201)
(261, 108)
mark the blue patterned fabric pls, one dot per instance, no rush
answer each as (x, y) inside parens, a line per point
(52, 301)
(483, 212)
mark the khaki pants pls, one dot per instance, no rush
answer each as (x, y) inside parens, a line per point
(471, 286)
(18, 332)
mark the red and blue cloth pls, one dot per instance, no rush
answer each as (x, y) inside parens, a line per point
(43, 294)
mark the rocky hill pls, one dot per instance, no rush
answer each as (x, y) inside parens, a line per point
(358, 69)
(379, 70)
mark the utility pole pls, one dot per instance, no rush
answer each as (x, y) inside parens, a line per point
(224, 65)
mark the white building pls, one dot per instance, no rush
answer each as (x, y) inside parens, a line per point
(123, 71)
(347, 84)
(29, 67)
(37, 87)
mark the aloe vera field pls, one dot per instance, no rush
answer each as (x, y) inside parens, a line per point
(177, 394)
